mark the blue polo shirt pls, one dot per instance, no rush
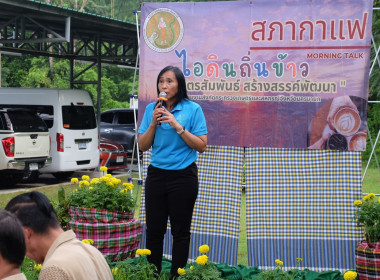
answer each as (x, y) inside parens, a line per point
(169, 151)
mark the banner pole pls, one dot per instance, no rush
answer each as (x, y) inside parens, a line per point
(136, 143)
(372, 152)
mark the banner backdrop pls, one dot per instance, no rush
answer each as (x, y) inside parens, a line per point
(267, 73)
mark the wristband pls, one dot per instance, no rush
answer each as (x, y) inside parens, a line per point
(181, 131)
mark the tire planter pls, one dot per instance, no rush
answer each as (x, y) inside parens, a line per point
(367, 259)
(115, 234)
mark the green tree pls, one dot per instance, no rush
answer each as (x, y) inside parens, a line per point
(38, 75)
(17, 67)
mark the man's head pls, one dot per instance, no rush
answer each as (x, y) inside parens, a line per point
(38, 219)
(12, 241)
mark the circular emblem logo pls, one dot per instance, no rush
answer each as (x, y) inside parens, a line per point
(163, 30)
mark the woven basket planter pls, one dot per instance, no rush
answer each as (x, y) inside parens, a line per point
(115, 234)
(367, 258)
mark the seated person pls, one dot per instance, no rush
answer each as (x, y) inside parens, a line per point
(12, 247)
(61, 254)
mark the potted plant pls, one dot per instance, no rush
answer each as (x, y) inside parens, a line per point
(102, 209)
(367, 251)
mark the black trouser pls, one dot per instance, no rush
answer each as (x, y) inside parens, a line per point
(170, 193)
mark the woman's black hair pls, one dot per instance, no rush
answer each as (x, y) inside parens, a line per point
(182, 91)
(35, 211)
(12, 239)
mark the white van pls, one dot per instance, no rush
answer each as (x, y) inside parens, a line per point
(70, 117)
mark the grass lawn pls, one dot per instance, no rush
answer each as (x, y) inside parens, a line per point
(371, 183)
(49, 191)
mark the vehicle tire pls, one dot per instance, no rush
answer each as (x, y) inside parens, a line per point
(63, 175)
(9, 179)
(31, 176)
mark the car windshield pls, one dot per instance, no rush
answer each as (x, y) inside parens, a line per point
(78, 117)
(26, 121)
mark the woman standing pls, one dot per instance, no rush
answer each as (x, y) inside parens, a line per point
(171, 185)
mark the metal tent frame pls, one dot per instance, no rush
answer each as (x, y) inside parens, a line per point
(373, 144)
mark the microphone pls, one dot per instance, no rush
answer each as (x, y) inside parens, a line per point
(161, 98)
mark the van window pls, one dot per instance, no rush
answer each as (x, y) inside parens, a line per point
(78, 117)
(26, 121)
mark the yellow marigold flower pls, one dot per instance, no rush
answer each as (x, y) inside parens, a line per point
(204, 249)
(74, 180)
(115, 271)
(366, 198)
(279, 262)
(104, 179)
(371, 196)
(350, 275)
(103, 168)
(192, 267)
(378, 200)
(128, 186)
(38, 267)
(115, 181)
(84, 183)
(181, 271)
(123, 191)
(358, 203)
(146, 252)
(110, 184)
(91, 188)
(202, 260)
(108, 175)
(139, 252)
(94, 181)
(85, 178)
(88, 241)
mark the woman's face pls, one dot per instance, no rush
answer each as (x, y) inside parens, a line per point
(168, 83)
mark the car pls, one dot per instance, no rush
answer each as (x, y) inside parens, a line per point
(70, 117)
(112, 155)
(119, 125)
(25, 144)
